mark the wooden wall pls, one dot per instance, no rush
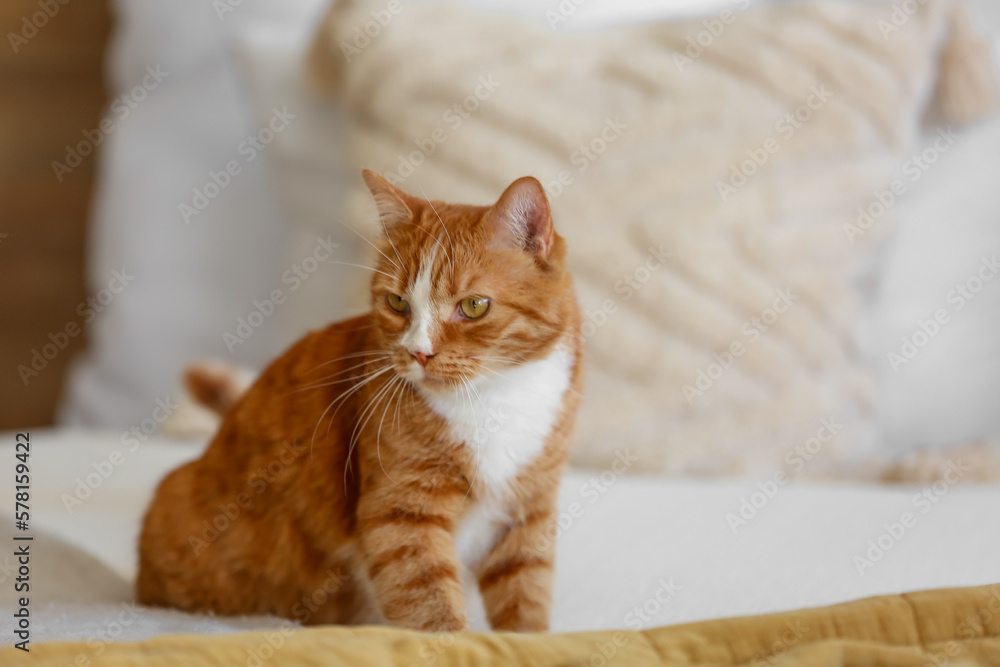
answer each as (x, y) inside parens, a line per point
(51, 90)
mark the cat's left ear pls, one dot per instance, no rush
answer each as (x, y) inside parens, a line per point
(522, 217)
(394, 206)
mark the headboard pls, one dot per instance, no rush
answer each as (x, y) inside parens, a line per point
(52, 81)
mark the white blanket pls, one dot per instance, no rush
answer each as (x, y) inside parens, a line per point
(664, 548)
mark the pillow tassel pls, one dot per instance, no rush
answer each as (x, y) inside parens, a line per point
(967, 87)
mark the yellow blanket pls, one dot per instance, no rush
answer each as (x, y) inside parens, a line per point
(956, 627)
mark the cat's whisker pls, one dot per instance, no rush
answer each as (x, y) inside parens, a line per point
(362, 266)
(478, 397)
(501, 375)
(451, 260)
(359, 328)
(343, 402)
(360, 426)
(440, 245)
(366, 240)
(471, 386)
(378, 437)
(399, 401)
(509, 361)
(349, 368)
(475, 472)
(373, 403)
(395, 251)
(375, 358)
(353, 377)
(561, 332)
(487, 368)
(340, 399)
(350, 356)
(487, 358)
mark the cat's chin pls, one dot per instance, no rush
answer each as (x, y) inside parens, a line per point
(432, 383)
(420, 377)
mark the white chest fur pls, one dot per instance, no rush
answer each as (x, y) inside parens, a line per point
(505, 421)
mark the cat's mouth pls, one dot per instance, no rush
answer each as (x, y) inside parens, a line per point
(430, 379)
(427, 377)
(434, 382)
(419, 375)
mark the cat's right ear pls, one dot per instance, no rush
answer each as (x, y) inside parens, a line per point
(522, 217)
(394, 206)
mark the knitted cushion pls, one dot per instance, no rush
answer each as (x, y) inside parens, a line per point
(721, 184)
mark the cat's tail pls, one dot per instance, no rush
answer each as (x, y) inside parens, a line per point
(212, 389)
(974, 462)
(216, 385)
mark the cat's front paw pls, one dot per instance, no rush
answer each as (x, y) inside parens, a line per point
(446, 623)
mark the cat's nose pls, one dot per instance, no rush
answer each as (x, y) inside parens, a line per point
(422, 358)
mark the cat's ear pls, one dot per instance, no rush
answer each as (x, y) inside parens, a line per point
(522, 217)
(394, 206)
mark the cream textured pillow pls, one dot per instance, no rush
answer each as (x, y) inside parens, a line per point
(708, 177)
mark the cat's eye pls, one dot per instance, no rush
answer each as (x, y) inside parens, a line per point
(396, 302)
(474, 307)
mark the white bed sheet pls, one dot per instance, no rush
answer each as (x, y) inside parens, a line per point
(631, 539)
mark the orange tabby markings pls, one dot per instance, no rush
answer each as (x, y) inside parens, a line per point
(429, 424)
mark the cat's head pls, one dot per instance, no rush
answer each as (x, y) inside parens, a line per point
(462, 292)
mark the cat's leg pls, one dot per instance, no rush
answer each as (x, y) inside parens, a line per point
(515, 577)
(339, 595)
(407, 541)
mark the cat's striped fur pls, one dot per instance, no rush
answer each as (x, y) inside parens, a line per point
(395, 448)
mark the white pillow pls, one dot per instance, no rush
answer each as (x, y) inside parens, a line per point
(192, 280)
(948, 220)
(939, 377)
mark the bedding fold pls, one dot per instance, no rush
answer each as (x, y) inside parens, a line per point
(958, 626)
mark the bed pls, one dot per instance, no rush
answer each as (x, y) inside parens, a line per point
(650, 566)
(633, 552)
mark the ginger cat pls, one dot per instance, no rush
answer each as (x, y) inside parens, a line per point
(388, 451)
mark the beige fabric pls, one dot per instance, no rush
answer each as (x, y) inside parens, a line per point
(957, 626)
(671, 112)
